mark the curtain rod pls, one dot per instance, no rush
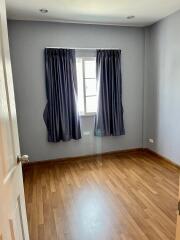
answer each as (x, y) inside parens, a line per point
(86, 48)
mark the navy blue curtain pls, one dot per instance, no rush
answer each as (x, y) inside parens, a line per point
(61, 114)
(109, 117)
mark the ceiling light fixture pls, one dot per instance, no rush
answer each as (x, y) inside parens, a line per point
(130, 17)
(43, 10)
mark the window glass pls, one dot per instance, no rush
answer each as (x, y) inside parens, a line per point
(87, 86)
(79, 70)
(90, 86)
(91, 104)
(90, 69)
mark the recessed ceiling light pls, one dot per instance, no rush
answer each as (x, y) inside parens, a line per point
(43, 10)
(130, 17)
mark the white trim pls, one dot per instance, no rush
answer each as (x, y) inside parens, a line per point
(81, 22)
(88, 115)
(84, 48)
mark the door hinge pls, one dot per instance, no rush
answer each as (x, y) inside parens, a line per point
(23, 158)
(179, 207)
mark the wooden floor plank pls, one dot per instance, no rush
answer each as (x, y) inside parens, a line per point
(115, 197)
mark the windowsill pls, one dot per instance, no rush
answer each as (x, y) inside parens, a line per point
(88, 115)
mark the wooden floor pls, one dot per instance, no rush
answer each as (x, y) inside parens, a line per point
(129, 196)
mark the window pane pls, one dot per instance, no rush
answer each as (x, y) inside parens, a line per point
(91, 104)
(90, 68)
(79, 69)
(90, 86)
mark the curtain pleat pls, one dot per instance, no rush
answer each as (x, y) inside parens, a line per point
(61, 114)
(109, 117)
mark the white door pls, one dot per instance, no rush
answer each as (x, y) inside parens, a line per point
(13, 221)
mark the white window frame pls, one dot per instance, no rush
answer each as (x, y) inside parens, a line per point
(84, 85)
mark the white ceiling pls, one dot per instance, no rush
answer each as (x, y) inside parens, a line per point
(110, 12)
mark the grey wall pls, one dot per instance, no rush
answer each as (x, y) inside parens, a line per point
(162, 88)
(27, 41)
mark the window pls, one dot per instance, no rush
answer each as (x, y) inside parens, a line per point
(87, 86)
